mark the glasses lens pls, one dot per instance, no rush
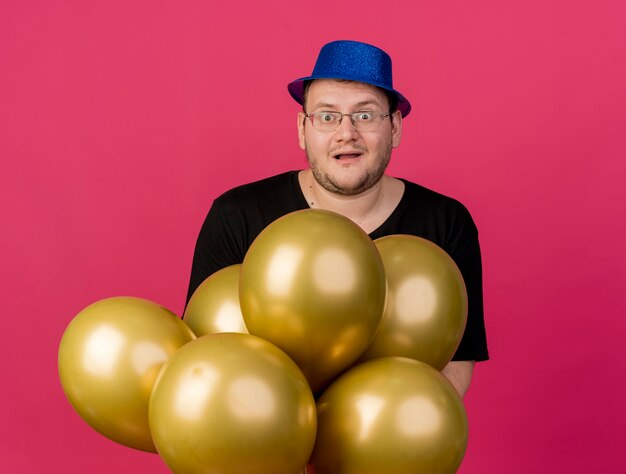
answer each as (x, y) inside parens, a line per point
(329, 121)
(366, 121)
(325, 121)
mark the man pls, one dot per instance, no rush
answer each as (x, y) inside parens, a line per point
(350, 122)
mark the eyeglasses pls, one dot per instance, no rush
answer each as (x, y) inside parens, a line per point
(330, 121)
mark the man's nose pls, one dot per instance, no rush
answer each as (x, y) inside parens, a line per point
(346, 129)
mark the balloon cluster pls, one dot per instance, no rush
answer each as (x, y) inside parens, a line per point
(316, 307)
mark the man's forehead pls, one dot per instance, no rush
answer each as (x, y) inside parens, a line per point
(340, 92)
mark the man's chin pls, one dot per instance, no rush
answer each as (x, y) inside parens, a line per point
(348, 188)
(345, 184)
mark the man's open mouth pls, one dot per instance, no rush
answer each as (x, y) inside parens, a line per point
(341, 156)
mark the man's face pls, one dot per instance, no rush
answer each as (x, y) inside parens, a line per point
(347, 161)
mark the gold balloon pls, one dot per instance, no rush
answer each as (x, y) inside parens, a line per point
(109, 357)
(232, 403)
(214, 306)
(427, 302)
(313, 283)
(391, 415)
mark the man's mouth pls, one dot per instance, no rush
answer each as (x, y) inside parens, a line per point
(344, 156)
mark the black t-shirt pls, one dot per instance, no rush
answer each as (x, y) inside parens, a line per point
(238, 216)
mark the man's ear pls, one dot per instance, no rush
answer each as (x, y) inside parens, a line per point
(301, 120)
(396, 128)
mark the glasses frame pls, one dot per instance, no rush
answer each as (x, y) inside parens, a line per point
(341, 116)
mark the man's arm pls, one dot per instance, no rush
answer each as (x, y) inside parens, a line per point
(459, 373)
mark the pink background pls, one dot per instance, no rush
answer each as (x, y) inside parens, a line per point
(120, 121)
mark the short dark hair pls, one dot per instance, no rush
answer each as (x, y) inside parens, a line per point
(391, 97)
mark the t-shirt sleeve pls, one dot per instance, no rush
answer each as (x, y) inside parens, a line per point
(463, 246)
(219, 245)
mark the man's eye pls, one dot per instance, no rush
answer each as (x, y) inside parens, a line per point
(327, 117)
(364, 117)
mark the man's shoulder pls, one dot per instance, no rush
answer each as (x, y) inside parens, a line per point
(257, 191)
(422, 204)
(417, 192)
(429, 214)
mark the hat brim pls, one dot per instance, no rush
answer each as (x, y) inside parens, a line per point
(296, 90)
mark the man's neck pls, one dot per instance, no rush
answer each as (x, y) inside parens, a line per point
(368, 209)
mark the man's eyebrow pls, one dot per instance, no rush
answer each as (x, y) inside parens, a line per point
(326, 105)
(367, 102)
